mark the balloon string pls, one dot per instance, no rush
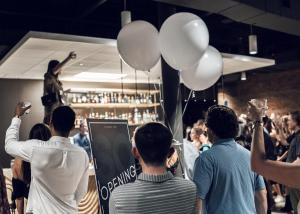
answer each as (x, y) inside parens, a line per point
(122, 84)
(149, 83)
(184, 110)
(163, 109)
(223, 93)
(136, 86)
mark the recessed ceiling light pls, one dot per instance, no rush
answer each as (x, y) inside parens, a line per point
(81, 64)
(99, 76)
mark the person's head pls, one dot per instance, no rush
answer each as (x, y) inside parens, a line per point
(196, 133)
(152, 144)
(221, 122)
(267, 123)
(51, 65)
(82, 128)
(294, 120)
(200, 124)
(40, 131)
(62, 121)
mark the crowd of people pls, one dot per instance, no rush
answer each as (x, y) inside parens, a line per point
(221, 180)
(231, 163)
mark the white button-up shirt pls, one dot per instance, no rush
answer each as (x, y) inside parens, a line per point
(59, 171)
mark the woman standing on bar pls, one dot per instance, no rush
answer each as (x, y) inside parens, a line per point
(53, 90)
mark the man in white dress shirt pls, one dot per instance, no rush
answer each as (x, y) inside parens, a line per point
(59, 169)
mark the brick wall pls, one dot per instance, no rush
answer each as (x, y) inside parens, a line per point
(282, 89)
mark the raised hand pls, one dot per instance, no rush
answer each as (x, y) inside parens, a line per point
(21, 109)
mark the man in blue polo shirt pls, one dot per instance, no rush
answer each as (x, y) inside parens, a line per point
(223, 176)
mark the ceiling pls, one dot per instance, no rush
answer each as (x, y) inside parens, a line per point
(101, 19)
(29, 59)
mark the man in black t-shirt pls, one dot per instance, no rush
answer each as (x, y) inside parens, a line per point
(294, 153)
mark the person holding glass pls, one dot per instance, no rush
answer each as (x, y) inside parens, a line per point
(281, 172)
(53, 89)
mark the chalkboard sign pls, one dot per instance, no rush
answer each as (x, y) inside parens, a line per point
(114, 163)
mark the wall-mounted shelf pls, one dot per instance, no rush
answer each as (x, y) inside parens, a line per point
(113, 90)
(113, 105)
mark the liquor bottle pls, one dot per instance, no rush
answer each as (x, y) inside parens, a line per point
(136, 116)
(101, 98)
(79, 100)
(149, 99)
(108, 98)
(96, 98)
(120, 97)
(144, 118)
(97, 115)
(115, 98)
(125, 98)
(137, 100)
(105, 98)
(74, 100)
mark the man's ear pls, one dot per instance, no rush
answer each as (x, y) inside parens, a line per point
(135, 153)
(171, 152)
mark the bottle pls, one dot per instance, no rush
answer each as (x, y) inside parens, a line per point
(125, 98)
(96, 99)
(79, 100)
(115, 98)
(101, 98)
(74, 100)
(136, 116)
(119, 98)
(104, 98)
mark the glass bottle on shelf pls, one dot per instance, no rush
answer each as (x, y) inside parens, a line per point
(83, 99)
(125, 98)
(115, 99)
(104, 98)
(108, 98)
(149, 99)
(119, 98)
(136, 116)
(74, 100)
(96, 99)
(101, 98)
(130, 119)
(112, 98)
(79, 100)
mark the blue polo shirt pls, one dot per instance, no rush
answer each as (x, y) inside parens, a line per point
(225, 181)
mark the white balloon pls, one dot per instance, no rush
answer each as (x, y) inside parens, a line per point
(138, 45)
(206, 73)
(183, 39)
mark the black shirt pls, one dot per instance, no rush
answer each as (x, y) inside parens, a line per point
(294, 150)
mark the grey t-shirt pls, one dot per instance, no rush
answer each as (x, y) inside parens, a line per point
(225, 181)
(294, 150)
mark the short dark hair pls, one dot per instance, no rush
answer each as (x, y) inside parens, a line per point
(63, 118)
(153, 141)
(295, 115)
(51, 65)
(222, 121)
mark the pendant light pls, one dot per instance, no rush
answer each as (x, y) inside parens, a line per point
(252, 42)
(125, 16)
(243, 76)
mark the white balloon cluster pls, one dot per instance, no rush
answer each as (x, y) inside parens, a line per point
(183, 42)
